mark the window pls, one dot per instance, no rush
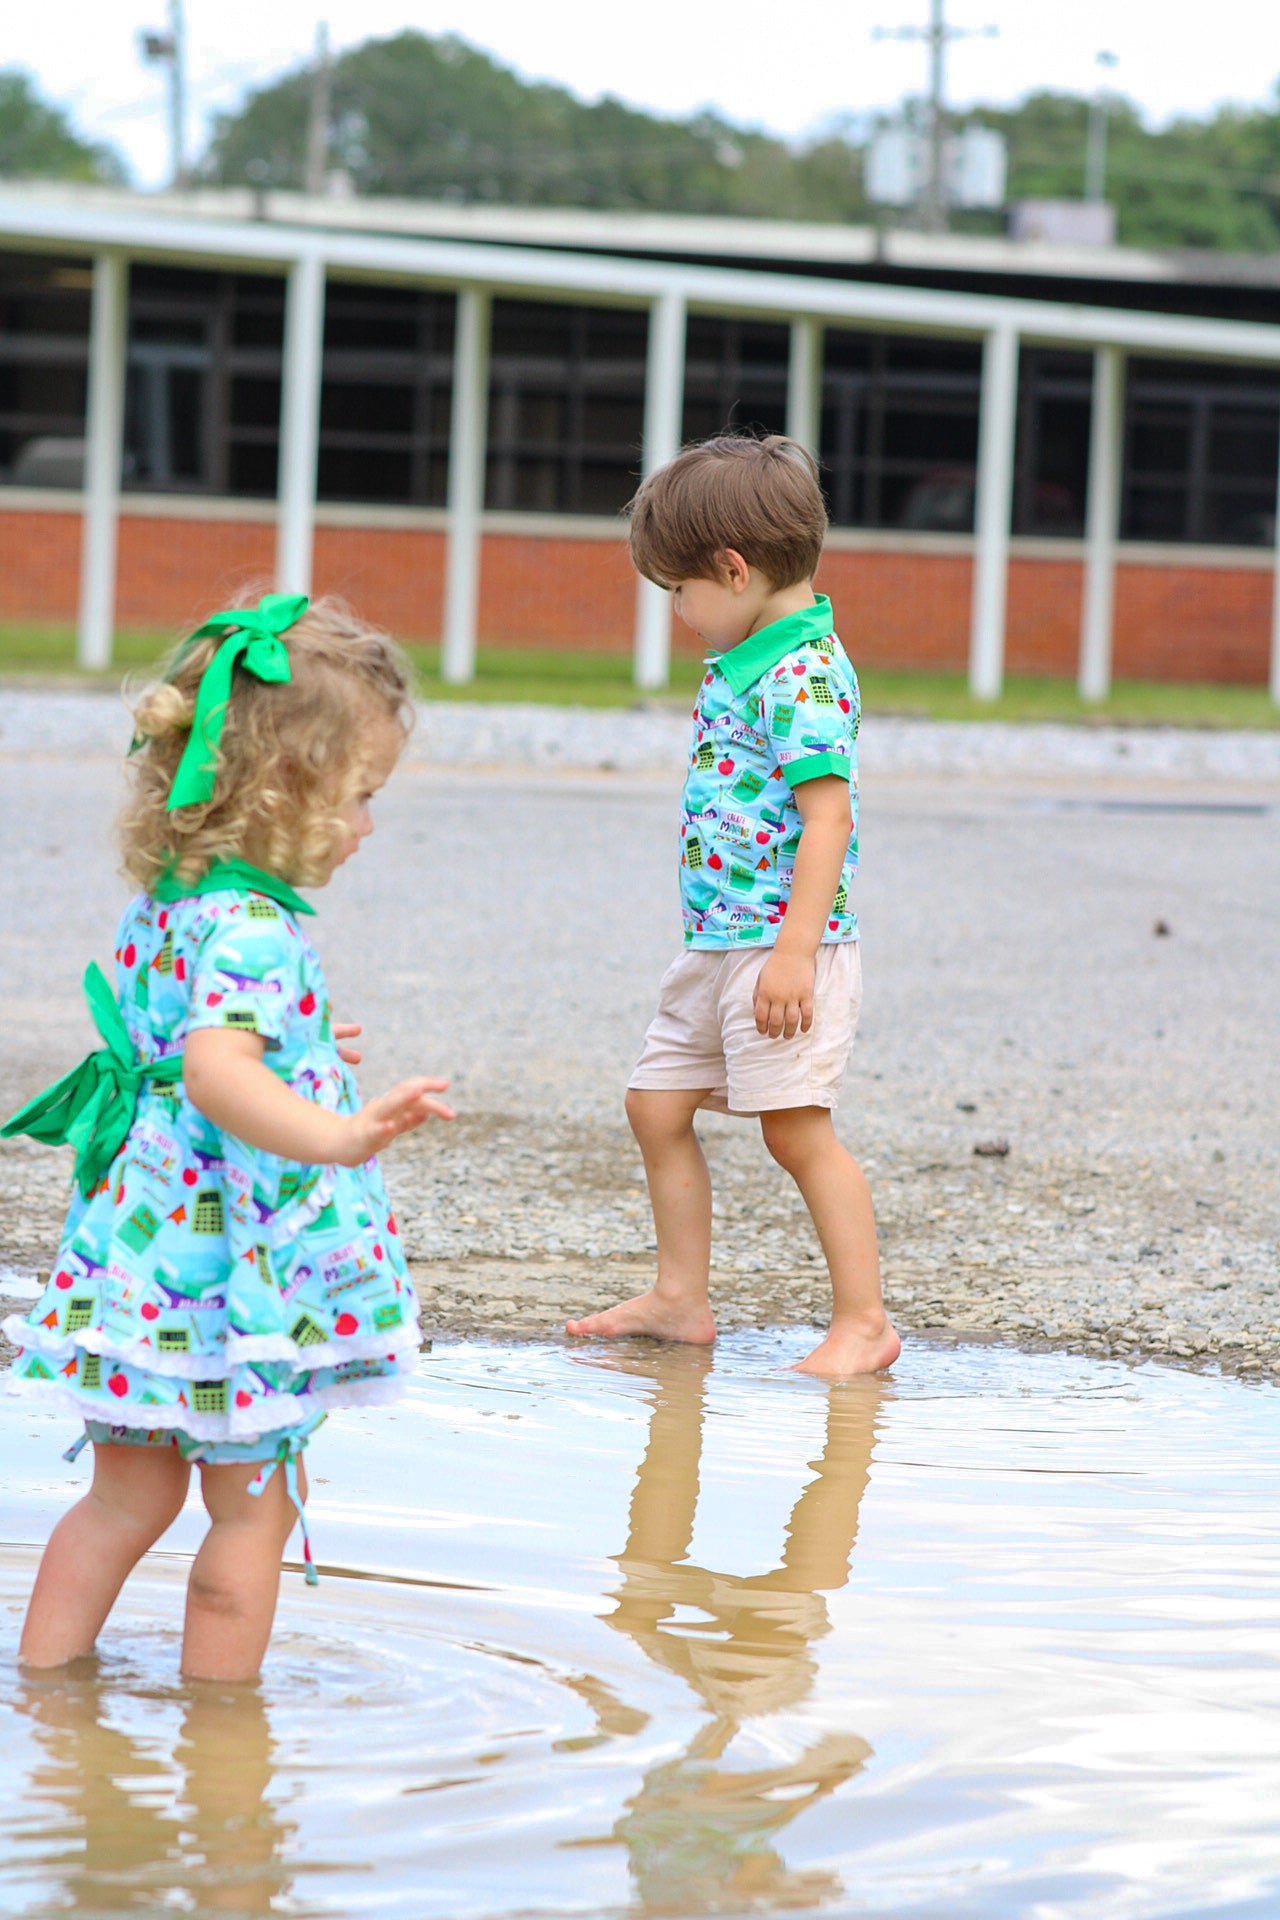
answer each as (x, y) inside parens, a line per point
(735, 377)
(900, 431)
(44, 357)
(384, 409)
(1051, 467)
(1201, 445)
(566, 412)
(566, 407)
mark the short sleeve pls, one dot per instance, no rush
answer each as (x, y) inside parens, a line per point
(247, 972)
(809, 706)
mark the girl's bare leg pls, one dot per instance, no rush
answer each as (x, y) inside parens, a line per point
(136, 1495)
(235, 1577)
(675, 1307)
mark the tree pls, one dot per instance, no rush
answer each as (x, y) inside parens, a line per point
(440, 119)
(37, 140)
(437, 118)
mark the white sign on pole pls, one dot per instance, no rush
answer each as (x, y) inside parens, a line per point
(976, 166)
(895, 167)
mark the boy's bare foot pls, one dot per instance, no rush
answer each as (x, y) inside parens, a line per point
(649, 1314)
(850, 1349)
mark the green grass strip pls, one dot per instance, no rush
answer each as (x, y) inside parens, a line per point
(35, 653)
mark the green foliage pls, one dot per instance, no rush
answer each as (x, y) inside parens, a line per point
(37, 141)
(439, 119)
(1195, 183)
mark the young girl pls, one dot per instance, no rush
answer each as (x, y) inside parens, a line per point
(229, 1267)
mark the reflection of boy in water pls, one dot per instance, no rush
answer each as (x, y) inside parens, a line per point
(132, 1828)
(699, 1835)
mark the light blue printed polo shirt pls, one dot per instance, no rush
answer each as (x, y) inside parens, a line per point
(779, 709)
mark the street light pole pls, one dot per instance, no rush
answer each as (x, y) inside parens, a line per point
(178, 93)
(169, 49)
(1095, 157)
(318, 130)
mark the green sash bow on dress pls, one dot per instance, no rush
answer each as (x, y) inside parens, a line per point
(92, 1107)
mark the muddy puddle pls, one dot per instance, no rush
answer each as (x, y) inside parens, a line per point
(649, 1633)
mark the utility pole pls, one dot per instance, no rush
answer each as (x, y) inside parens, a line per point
(936, 36)
(168, 48)
(318, 126)
(1095, 155)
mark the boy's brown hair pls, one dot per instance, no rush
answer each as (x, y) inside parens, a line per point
(759, 497)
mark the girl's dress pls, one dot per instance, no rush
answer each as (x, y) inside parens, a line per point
(208, 1295)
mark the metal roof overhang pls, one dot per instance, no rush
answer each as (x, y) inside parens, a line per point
(541, 274)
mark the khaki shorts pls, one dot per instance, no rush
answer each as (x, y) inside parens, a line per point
(704, 1033)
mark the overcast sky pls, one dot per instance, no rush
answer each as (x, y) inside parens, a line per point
(785, 67)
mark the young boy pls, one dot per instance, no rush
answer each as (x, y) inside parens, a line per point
(757, 1015)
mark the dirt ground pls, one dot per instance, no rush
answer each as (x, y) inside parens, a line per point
(1064, 1089)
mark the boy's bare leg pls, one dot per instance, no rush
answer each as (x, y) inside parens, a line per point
(676, 1306)
(137, 1494)
(861, 1338)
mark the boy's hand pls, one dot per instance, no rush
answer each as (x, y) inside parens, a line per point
(784, 996)
(345, 1030)
(380, 1121)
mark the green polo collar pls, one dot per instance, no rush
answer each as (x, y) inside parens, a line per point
(238, 875)
(744, 664)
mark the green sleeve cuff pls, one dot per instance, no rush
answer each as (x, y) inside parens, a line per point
(814, 765)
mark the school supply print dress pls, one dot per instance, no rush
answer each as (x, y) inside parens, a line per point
(205, 1291)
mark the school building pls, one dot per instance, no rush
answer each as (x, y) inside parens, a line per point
(1038, 458)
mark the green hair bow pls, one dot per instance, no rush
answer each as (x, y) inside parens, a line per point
(253, 641)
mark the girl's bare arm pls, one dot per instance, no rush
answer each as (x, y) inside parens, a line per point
(227, 1081)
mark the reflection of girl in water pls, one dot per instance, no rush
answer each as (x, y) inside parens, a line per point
(119, 1827)
(699, 1835)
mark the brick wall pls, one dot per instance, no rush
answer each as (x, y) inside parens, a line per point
(1204, 617)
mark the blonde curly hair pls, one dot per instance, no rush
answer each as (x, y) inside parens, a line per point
(291, 754)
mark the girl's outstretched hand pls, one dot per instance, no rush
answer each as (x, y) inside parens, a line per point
(398, 1111)
(348, 1030)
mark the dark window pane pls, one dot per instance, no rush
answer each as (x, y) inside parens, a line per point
(255, 403)
(251, 469)
(366, 408)
(607, 488)
(1241, 516)
(941, 502)
(1160, 445)
(354, 473)
(1155, 513)
(1241, 445)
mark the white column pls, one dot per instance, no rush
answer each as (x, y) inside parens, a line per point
(663, 426)
(468, 444)
(992, 512)
(804, 384)
(299, 423)
(1102, 523)
(103, 454)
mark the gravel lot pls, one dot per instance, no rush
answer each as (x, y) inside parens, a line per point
(1069, 946)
